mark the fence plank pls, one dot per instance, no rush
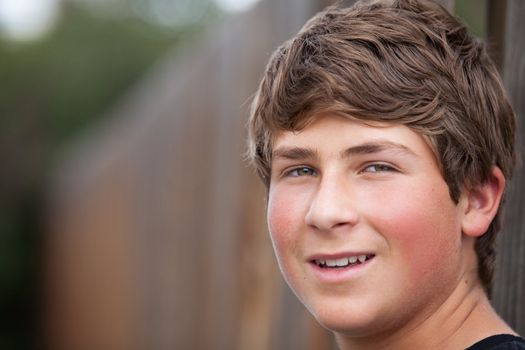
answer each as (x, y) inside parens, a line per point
(496, 13)
(509, 290)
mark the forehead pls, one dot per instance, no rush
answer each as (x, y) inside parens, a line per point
(329, 127)
(331, 134)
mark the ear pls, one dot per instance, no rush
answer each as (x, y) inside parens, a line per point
(482, 203)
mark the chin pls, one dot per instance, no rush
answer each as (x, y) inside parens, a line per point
(348, 321)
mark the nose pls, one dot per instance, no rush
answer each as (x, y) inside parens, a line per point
(332, 205)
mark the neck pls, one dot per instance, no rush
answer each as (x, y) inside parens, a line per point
(464, 318)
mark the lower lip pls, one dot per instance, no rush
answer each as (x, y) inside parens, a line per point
(340, 274)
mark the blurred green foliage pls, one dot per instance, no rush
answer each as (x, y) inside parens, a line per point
(50, 90)
(474, 13)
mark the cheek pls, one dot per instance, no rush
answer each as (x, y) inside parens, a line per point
(421, 228)
(284, 219)
(278, 223)
(285, 224)
(287, 208)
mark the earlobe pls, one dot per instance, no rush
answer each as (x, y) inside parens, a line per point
(482, 203)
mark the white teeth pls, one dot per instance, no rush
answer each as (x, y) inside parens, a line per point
(331, 263)
(341, 262)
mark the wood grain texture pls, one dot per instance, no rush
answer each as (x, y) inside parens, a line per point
(509, 292)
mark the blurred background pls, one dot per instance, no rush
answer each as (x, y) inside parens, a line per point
(128, 219)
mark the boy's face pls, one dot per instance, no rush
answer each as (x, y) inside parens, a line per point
(342, 191)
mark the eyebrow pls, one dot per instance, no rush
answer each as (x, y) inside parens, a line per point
(299, 153)
(294, 153)
(376, 147)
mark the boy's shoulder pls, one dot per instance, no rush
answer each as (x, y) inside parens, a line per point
(499, 342)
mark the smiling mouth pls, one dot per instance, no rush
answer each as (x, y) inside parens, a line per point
(343, 262)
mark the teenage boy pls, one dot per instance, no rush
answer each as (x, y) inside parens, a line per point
(385, 139)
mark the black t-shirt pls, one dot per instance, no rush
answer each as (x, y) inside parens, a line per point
(499, 342)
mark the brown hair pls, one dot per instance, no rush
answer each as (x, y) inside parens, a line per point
(399, 61)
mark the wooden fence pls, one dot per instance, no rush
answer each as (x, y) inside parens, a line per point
(157, 234)
(509, 292)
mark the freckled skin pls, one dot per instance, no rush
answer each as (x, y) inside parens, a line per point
(405, 217)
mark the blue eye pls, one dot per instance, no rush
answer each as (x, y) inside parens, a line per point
(376, 168)
(302, 171)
